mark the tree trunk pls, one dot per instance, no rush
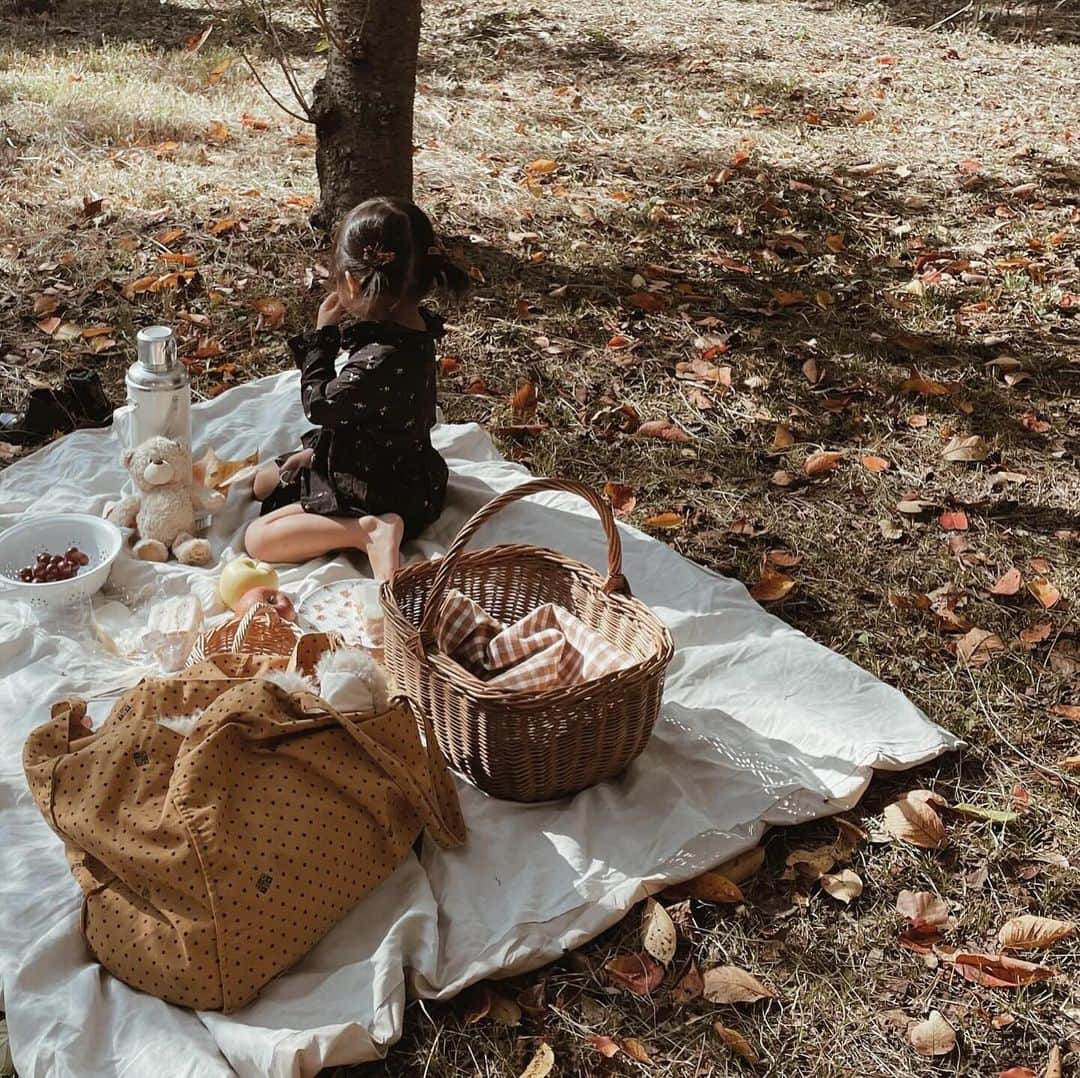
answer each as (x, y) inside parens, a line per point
(363, 105)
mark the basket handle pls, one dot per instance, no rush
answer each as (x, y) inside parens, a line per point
(615, 583)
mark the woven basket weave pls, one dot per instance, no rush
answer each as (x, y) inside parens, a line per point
(528, 746)
(261, 631)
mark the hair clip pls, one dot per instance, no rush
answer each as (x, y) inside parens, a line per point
(373, 257)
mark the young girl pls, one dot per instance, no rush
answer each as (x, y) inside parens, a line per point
(369, 477)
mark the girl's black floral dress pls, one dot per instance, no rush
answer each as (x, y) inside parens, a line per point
(373, 451)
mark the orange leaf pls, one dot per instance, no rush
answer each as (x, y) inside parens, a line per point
(143, 284)
(1028, 932)
(637, 973)
(271, 312)
(619, 342)
(541, 166)
(876, 464)
(835, 243)
(255, 124)
(865, 117)
(302, 138)
(788, 299)
(782, 438)
(736, 1042)
(998, 970)
(822, 463)
(665, 522)
(713, 887)
(1044, 591)
(172, 258)
(523, 402)
(1009, 584)
(771, 586)
(225, 225)
(217, 131)
(1067, 711)
(96, 331)
(927, 387)
(170, 235)
(954, 520)
(606, 1046)
(663, 429)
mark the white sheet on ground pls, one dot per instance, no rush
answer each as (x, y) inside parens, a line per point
(761, 726)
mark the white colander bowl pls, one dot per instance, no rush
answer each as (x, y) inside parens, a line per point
(98, 539)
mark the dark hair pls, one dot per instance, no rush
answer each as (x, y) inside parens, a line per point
(389, 248)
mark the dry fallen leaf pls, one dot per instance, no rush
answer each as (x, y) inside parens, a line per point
(714, 886)
(927, 387)
(688, 987)
(875, 464)
(934, 1037)
(217, 131)
(540, 1065)
(541, 166)
(1031, 638)
(1009, 584)
(1018, 1072)
(729, 984)
(925, 911)
(811, 865)
(971, 448)
(1044, 591)
(1028, 932)
(663, 429)
(271, 312)
(635, 1049)
(1067, 711)
(997, 970)
(637, 973)
(665, 522)
(782, 438)
(1053, 1062)
(736, 1042)
(912, 819)
(741, 868)
(504, 1011)
(954, 520)
(771, 586)
(622, 498)
(822, 463)
(978, 646)
(844, 886)
(606, 1046)
(658, 932)
(523, 402)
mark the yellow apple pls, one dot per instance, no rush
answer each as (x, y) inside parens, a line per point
(241, 575)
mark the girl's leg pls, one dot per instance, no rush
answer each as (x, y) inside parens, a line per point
(269, 475)
(291, 535)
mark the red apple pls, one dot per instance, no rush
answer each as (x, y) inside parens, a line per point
(272, 597)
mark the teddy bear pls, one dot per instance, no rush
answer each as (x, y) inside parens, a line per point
(163, 510)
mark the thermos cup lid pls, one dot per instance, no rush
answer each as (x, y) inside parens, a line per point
(156, 347)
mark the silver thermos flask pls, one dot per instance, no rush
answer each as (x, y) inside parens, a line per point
(159, 393)
(159, 389)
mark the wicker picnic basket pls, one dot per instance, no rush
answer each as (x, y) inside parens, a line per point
(528, 746)
(261, 631)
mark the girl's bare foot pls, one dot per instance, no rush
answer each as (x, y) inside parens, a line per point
(383, 546)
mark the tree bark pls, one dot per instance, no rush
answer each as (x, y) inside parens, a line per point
(363, 105)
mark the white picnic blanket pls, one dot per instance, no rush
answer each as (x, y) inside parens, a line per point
(761, 726)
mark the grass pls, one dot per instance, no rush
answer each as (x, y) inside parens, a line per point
(818, 200)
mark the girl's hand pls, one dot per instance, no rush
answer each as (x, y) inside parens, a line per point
(331, 311)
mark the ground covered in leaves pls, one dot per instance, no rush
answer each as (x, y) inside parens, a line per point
(800, 287)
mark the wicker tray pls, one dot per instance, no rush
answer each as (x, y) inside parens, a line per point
(528, 746)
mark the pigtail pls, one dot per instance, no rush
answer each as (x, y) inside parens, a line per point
(441, 272)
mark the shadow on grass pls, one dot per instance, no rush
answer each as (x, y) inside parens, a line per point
(71, 25)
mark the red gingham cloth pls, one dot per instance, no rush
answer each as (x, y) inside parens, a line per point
(546, 649)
